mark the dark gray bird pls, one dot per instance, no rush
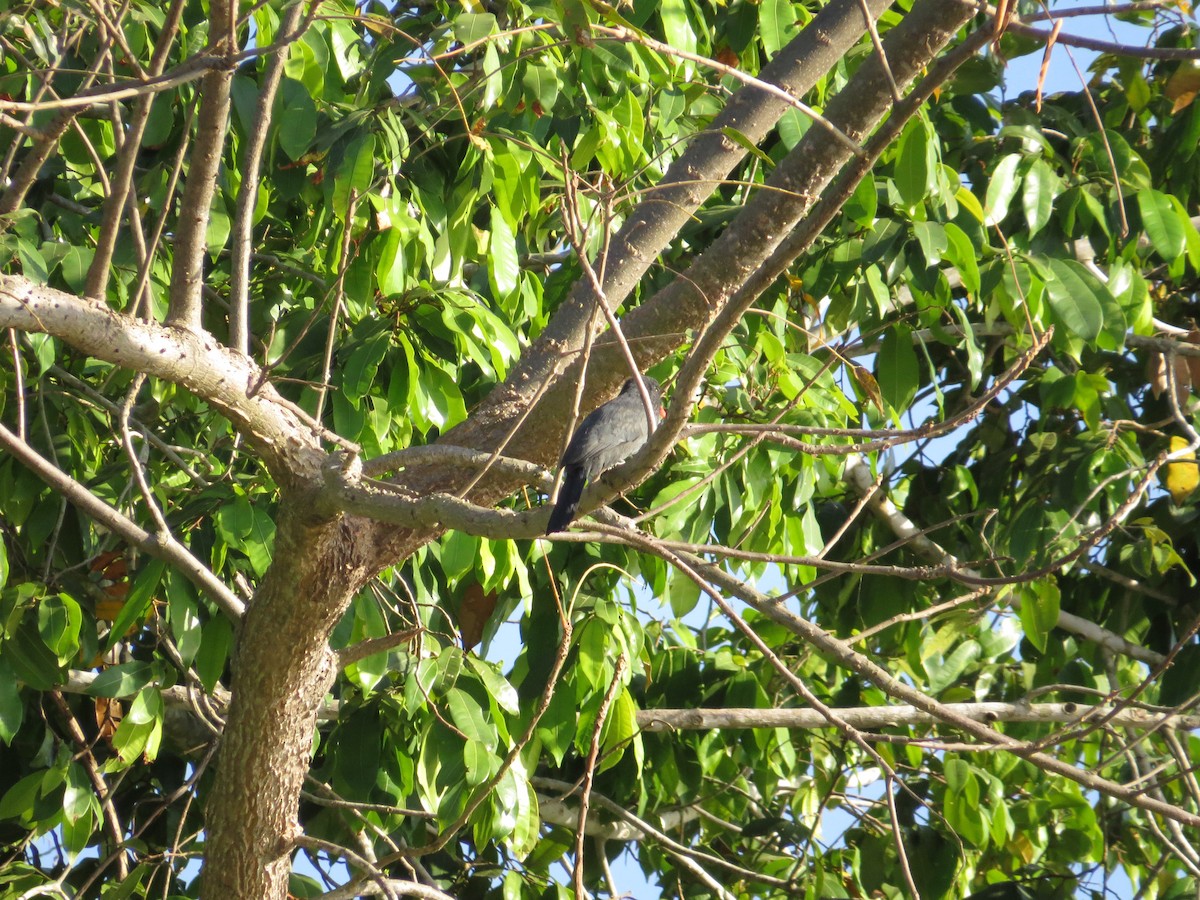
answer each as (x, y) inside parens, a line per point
(607, 437)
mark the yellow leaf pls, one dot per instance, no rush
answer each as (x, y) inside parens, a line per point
(1183, 474)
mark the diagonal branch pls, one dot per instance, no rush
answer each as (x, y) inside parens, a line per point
(843, 654)
(187, 270)
(873, 717)
(251, 171)
(161, 546)
(220, 376)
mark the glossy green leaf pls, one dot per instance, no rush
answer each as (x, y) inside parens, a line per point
(777, 24)
(297, 122)
(498, 688)
(1002, 187)
(77, 800)
(31, 660)
(676, 26)
(914, 163)
(1038, 189)
(391, 270)
(1039, 611)
(59, 621)
(123, 680)
(355, 174)
(503, 268)
(468, 717)
(137, 604)
(12, 707)
(358, 376)
(1074, 296)
(897, 370)
(1162, 223)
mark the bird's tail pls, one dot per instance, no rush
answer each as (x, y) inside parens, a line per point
(568, 499)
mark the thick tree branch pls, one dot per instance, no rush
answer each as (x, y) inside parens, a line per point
(647, 231)
(187, 270)
(122, 179)
(876, 717)
(243, 220)
(221, 377)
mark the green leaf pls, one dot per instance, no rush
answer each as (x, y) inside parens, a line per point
(1074, 296)
(498, 687)
(391, 270)
(503, 269)
(215, 643)
(77, 799)
(777, 25)
(620, 729)
(355, 173)
(472, 27)
(31, 660)
(968, 342)
(1038, 191)
(541, 83)
(963, 254)
(897, 370)
(933, 240)
(592, 646)
(260, 543)
(18, 800)
(235, 520)
(469, 719)
(1179, 683)
(750, 147)
(914, 163)
(140, 732)
(556, 728)
(479, 762)
(12, 707)
(1002, 187)
(59, 621)
(944, 673)
(123, 680)
(219, 226)
(440, 399)
(33, 264)
(493, 83)
(358, 376)
(75, 263)
(137, 604)
(296, 123)
(1162, 223)
(527, 823)
(964, 814)
(676, 27)
(1039, 611)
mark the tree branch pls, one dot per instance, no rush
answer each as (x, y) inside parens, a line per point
(161, 546)
(251, 171)
(874, 717)
(220, 376)
(212, 122)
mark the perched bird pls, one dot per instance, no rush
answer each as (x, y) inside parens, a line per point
(607, 437)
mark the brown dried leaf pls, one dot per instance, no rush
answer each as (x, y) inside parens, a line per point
(1156, 376)
(1193, 362)
(108, 716)
(473, 613)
